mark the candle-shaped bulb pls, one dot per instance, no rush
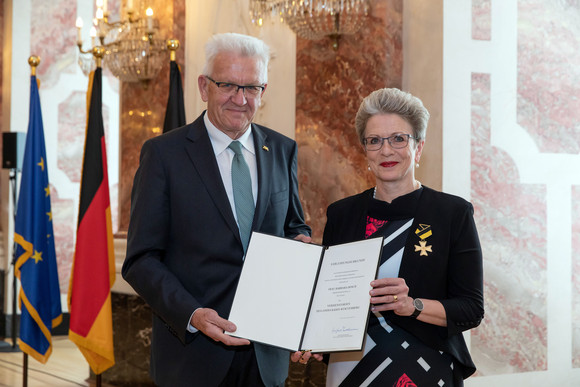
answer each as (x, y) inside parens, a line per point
(93, 35)
(149, 13)
(79, 25)
(99, 14)
(99, 3)
(129, 5)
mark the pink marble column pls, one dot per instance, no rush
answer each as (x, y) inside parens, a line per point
(143, 108)
(330, 86)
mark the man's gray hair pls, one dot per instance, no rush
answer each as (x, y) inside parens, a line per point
(243, 45)
(393, 101)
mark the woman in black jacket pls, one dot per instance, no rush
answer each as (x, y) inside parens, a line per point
(430, 283)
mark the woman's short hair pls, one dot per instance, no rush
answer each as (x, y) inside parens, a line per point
(243, 45)
(393, 101)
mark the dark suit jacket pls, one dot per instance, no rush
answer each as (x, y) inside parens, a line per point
(184, 250)
(452, 273)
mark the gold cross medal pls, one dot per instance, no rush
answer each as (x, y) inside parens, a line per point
(423, 232)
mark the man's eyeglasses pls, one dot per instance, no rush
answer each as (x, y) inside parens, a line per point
(397, 141)
(231, 88)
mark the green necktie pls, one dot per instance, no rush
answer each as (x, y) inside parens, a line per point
(243, 198)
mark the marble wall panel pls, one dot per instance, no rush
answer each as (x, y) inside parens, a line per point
(71, 133)
(54, 42)
(575, 276)
(330, 86)
(64, 227)
(511, 220)
(132, 337)
(70, 148)
(48, 31)
(481, 23)
(549, 73)
(522, 157)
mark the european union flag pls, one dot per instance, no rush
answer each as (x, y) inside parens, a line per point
(39, 297)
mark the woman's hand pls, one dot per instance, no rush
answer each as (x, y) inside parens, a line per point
(302, 357)
(391, 294)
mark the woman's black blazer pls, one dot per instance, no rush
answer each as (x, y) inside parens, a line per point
(452, 273)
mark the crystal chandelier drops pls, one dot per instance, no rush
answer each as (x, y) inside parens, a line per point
(134, 51)
(135, 55)
(313, 19)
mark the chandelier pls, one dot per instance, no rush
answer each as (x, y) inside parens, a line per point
(133, 48)
(313, 19)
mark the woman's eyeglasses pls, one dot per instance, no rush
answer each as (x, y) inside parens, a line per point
(397, 141)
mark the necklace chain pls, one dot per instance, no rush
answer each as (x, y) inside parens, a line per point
(416, 185)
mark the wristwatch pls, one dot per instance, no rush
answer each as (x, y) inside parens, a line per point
(418, 304)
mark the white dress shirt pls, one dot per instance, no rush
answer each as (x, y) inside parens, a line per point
(224, 156)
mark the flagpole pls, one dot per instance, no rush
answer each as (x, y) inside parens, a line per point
(25, 370)
(99, 53)
(33, 61)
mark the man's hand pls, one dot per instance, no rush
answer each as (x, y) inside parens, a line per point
(302, 357)
(212, 325)
(303, 238)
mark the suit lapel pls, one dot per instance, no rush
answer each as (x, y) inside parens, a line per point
(264, 161)
(200, 152)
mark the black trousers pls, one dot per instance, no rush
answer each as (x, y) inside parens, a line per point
(244, 371)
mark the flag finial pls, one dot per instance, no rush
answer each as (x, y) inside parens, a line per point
(98, 53)
(33, 61)
(172, 46)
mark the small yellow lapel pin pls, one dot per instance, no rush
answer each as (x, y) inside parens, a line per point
(265, 148)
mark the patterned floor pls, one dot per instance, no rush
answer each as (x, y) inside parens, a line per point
(65, 368)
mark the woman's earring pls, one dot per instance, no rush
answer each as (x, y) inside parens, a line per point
(417, 165)
(369, 167)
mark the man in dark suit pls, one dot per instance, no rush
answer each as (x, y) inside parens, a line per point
(188, 232)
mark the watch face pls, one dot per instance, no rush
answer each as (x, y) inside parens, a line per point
(418, 304)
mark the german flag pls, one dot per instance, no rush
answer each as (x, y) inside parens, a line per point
(93, 273)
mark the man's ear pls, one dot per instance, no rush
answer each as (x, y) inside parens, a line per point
(203, 85)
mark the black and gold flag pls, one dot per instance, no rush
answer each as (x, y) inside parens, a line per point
(175, 113)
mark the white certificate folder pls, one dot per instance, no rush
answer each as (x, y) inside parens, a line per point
(302, 296)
